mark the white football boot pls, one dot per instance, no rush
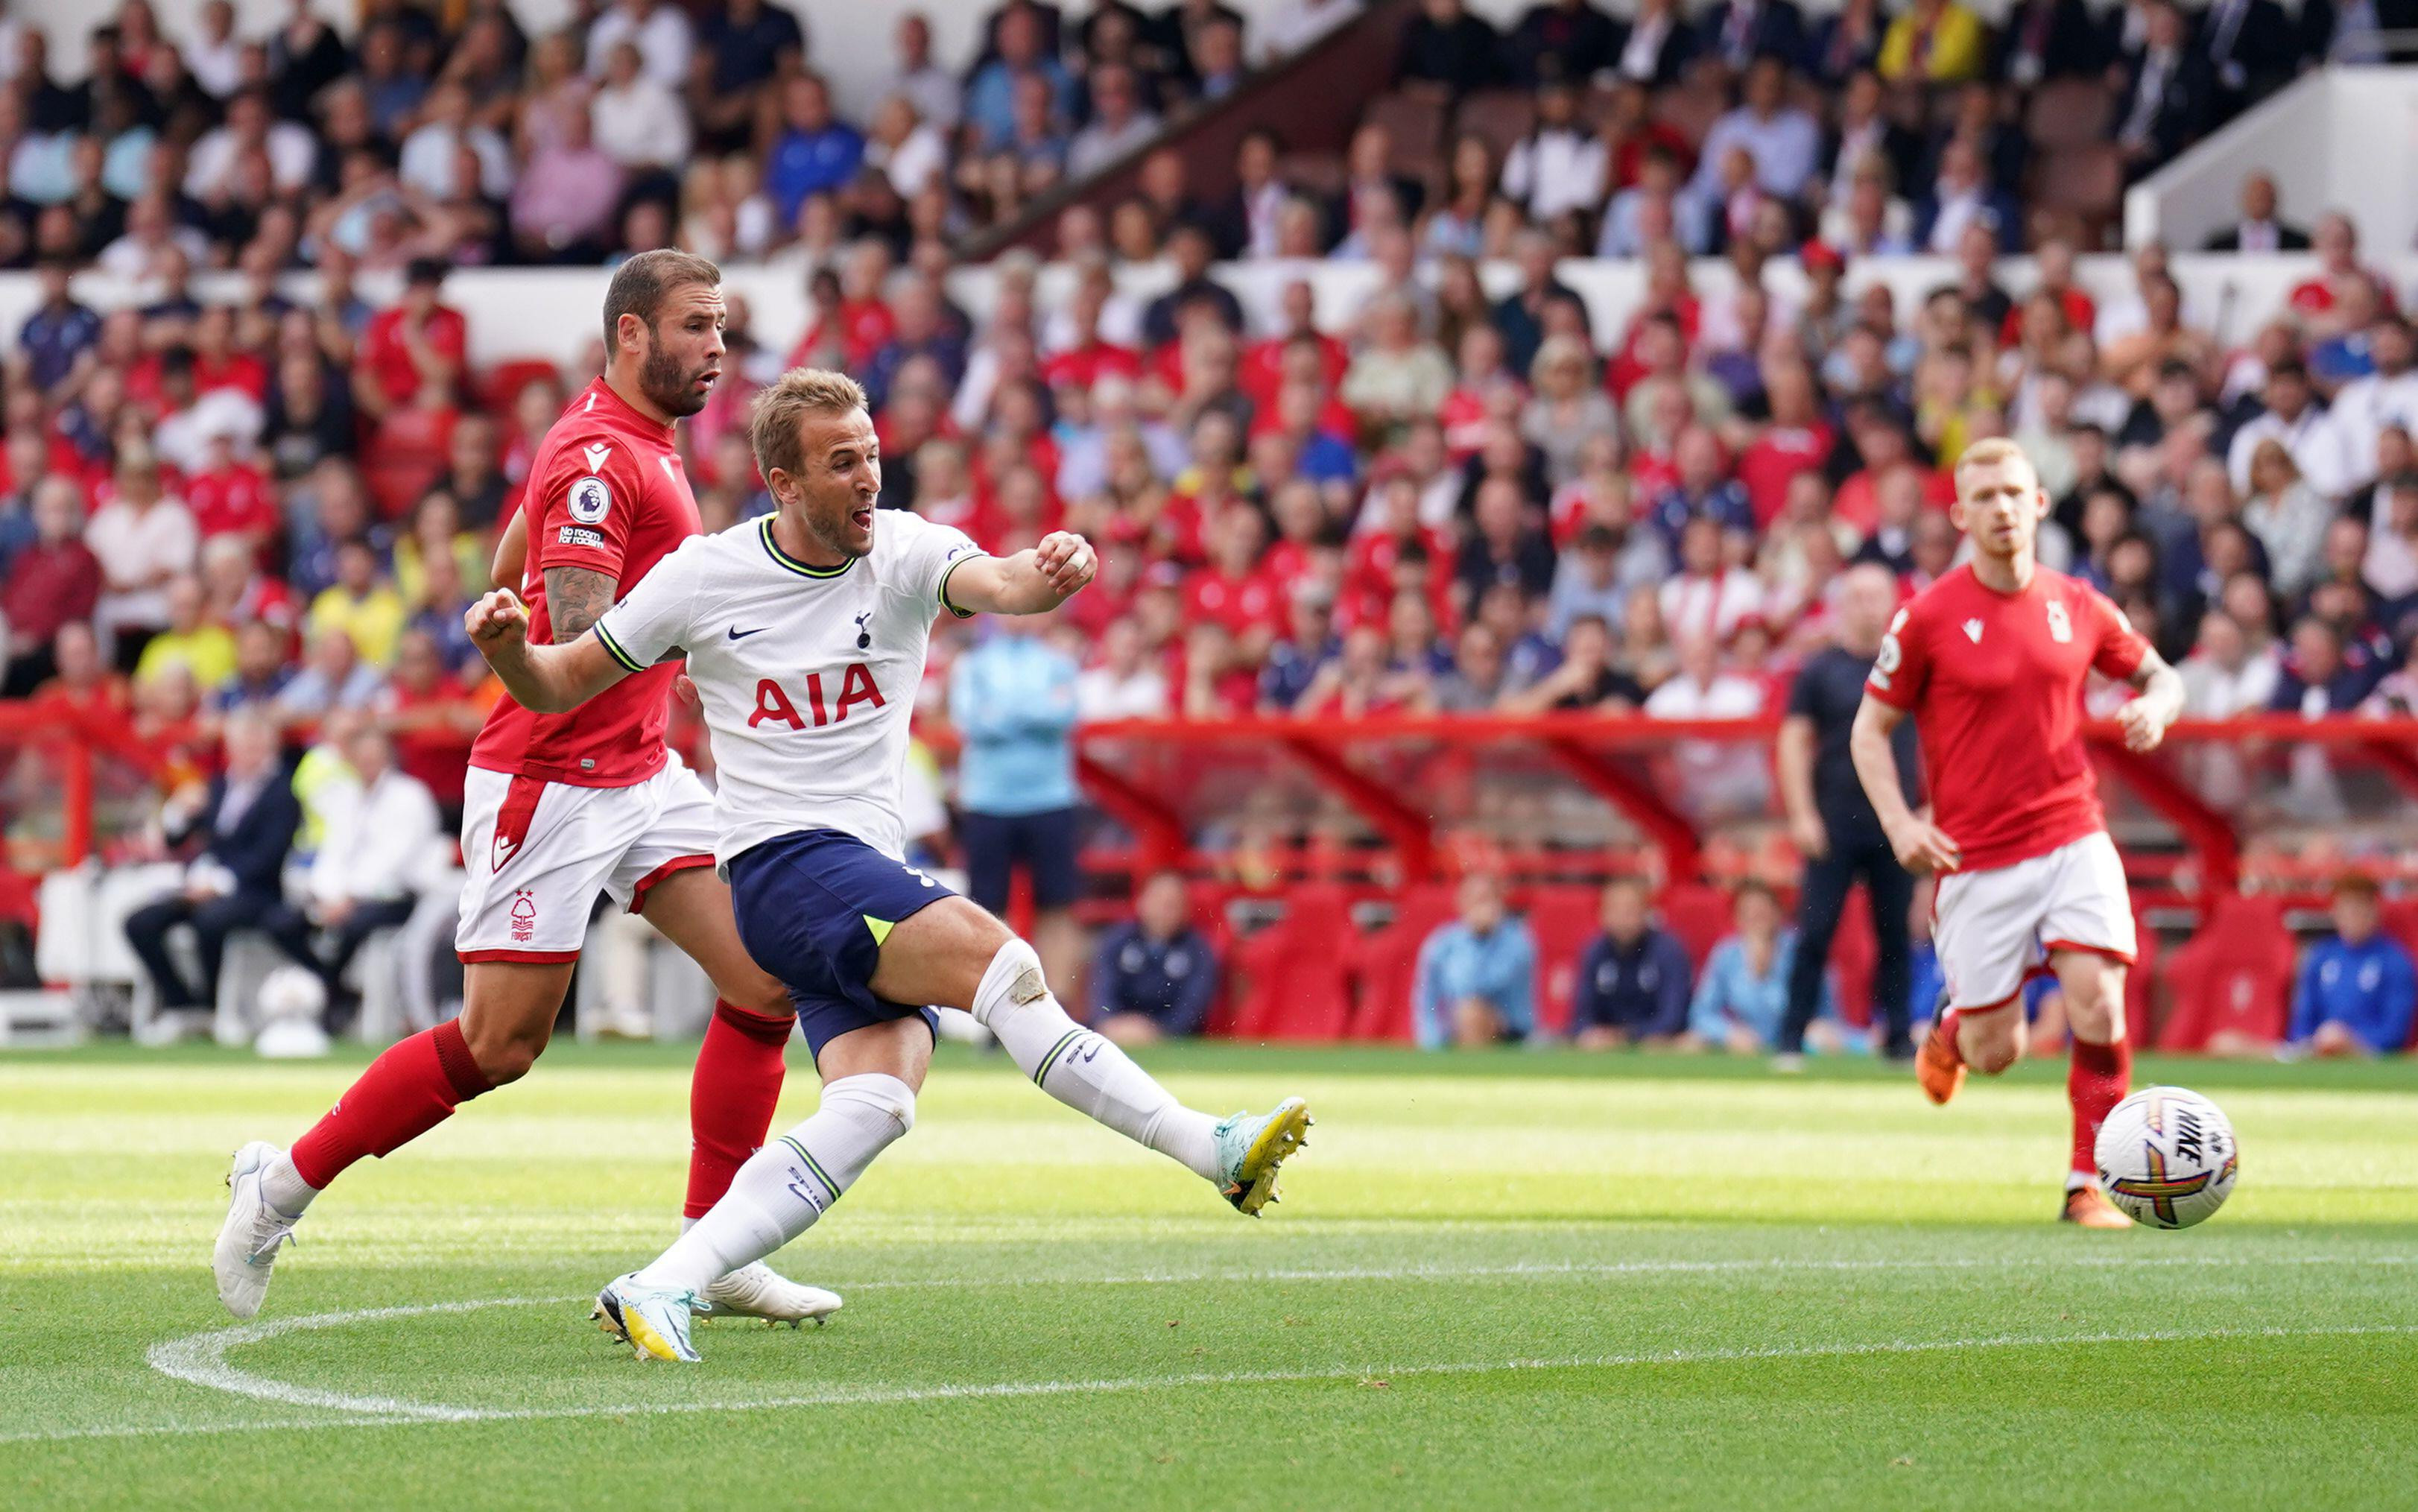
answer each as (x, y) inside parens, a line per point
(248, 1239)
(756, 1291)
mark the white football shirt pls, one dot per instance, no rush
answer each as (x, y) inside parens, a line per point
(807, 675)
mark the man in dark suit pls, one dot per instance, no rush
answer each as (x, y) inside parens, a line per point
(2167, 93)
(1559, 40)
(1739, 31)
(2250, 50)
(2047, 39)
(1445, 52)
(2259, 230)
(245, 820)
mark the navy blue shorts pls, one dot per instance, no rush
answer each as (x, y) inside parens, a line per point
(1044, 842)
(814, 908)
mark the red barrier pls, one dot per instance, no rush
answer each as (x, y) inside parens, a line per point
(1390, 800)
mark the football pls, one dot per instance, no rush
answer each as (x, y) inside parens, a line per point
(2168, 1158)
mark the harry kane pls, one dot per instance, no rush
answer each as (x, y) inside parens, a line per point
(805, 633)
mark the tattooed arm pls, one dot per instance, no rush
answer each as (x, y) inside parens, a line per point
(575, 599)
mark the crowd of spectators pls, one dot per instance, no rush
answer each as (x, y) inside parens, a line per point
(1441, 502)
(454, 133)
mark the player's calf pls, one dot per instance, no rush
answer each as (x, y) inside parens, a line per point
(508, 1011)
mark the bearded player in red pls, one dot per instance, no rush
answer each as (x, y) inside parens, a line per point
(561, 807)
(1990, 661)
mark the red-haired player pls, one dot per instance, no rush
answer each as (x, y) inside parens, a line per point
(1990, 661)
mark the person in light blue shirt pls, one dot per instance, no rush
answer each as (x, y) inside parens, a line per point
(2357, 990)
(1476, 984)
(1012, 698)
(1743, 993)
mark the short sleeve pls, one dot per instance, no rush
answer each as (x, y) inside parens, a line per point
(1805, 692)
(585, 504)
(655, 618)
(929, 552)
(1903, 664)
(2120, 649)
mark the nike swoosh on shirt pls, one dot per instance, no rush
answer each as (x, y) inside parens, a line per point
(736, 633)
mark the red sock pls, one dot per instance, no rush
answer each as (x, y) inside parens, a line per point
(2096, 1079)
(409, 1091)
(730, 1098)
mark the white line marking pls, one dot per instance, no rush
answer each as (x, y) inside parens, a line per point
(891, 1396)
(200, 1359)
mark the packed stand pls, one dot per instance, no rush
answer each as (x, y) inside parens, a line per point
(475, 140)
(1442, 503)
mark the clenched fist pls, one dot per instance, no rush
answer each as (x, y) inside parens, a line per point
(1066, 561)
(497, 620)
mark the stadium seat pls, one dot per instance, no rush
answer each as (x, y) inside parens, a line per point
(1414, 124)
(2234, 977)
(1688, 112)
(2068, 113)
(1500, 118)
(1700, 915)
(499, 387)
(404, 458)
(2087, 181)
(1293, 983)
(1562, 919)
(1386, 962)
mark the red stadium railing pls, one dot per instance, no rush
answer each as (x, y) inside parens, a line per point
(1403, 800)
(2274, 802)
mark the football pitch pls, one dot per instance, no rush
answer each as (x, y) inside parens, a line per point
(1526, 1279)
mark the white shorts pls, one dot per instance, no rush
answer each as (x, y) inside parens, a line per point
(538, 852)
(1994, 928)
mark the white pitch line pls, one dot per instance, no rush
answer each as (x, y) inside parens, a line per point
(895, 1396)
(200, 1359)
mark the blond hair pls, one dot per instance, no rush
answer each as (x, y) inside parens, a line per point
(1990, 451)
(772, 426)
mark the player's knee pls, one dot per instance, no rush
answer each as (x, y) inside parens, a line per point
(886, 1101)
(1013, 979)
(1992, 1056)
(504, 1054)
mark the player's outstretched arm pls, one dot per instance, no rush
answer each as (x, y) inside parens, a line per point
(2144, 720)
(1920, 845)
(1029, 581)
(546, 679)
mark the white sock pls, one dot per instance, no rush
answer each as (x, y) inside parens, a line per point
(784, 1187)
(1083, 1070)
(283, 1188)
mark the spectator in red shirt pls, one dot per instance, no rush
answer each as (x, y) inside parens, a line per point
(1219, 679)
(418, 343)
(1232, 589)
(54, 582)
(1090, 357)
(1267, 363)
(229, 497)
(865, 323)
(219, 363)
(1797, 440)
(430, 717)
(83, 684)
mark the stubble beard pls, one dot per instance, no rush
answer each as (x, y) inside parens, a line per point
(669, 387)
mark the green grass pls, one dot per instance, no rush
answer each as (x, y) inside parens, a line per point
(1532, 1280)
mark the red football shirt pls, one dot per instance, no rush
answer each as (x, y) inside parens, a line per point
(606, 492)
(1994, 681)
(389, 360)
